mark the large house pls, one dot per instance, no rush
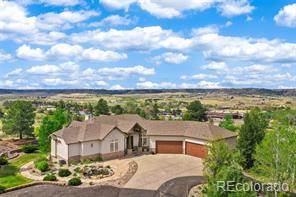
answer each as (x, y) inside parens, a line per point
(116, 135)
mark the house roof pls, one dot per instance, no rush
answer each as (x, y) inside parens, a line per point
(99, 127)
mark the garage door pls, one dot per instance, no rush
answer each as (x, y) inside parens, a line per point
(196, 150)
(170, 147)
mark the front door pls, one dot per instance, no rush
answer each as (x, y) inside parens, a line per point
(130, 142)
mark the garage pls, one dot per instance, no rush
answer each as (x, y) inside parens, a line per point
(169, 147)
(196, 150)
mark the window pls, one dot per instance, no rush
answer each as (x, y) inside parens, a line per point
(91, 145)
(114, 146)
(145, 140)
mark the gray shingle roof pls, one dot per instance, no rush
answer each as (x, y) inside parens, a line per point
(99, 127)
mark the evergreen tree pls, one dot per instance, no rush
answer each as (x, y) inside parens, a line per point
(251, 133)
(19, 119)
(101, 108)
(196, 111)
(117, 109)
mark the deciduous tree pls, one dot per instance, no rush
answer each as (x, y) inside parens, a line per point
(251, 133)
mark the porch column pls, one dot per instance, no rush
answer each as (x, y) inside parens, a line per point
(140, 140)
(129, 146)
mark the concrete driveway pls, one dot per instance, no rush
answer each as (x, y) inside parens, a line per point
(154, 170)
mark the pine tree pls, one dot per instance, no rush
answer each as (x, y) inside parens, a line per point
(101, 108)
(19, 119)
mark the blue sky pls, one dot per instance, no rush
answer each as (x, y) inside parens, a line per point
(147, 44)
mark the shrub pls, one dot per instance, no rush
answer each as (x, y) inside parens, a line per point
(50, 177)
(99, 159)
(77, 170)
(39, 160)
(74, 181)
(2, 189)
(42, 166)
(64, 172)
(3, 161)
(86, 161)
(29, 148)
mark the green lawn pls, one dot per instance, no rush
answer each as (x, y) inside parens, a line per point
(10, 176)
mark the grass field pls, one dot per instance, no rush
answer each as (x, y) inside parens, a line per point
(10, 175)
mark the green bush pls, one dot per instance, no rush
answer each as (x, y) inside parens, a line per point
(77, 170)
(39, 160)
(74, 181)
(99, 159)
(29, 148)
(42, 166)
(3, 161)
(64, 172)
(50, 177)
(2, 189)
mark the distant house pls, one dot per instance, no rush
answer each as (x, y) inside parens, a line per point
(87, 115)
(114, 136)
(221, 115)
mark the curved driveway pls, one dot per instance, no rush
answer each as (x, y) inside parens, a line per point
(154, 170)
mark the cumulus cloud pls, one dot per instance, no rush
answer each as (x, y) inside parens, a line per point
(171, 58)
(69, 52)
(4, 56)
(286, 16)
(61, 2)
(175, 8)
(26, 52)
(44, 69)
(151, 85)
(63, 20)
(71, 75)
(230, 8)
(113, 20)
(199, 77)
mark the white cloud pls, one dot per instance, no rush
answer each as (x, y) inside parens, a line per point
(201, 85)
(92, 54)
(175, 8)
(44, 69)
(15, 72)
(26, 52)
(169, 57)
(138, 39)
(228, 24)
(59, 82)
(101, 83)
(113, 20)
(64, 20)
(15, 24)
(4, 56)
(115, 4)
(217, 66)
(199, 77)
(217, 47)
(230, 8)
(286, 16)
(207, 40)
(125, 71)
(151, 85)
(64, 51)
(117, 87)
(61, 2)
